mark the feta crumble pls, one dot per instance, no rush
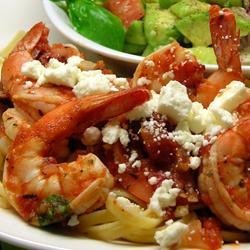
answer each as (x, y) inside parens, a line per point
(174, 101)
(163, 197)
(122, 168)
(171, 234)
(111, 133)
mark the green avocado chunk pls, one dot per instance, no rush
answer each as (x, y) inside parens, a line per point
(204, 54)
(189, 7)
(165, 4)
(226, 3)
(135, 33)
(196, 29)
(159, 25)
(135, 49)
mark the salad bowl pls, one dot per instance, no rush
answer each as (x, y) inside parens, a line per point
(62, 23)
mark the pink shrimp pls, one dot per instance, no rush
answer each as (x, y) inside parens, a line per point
(43, 191)
(224, 180)
(36, 101)
(171, 62)
(226, 42)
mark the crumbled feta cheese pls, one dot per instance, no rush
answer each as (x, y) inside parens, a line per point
(197, 118)
(28, 85)
(33, 69)
(152, 180)
(111, 133)
(143, 81)
(91, 136)
(188, 141)
(163, 197)
(64, 75)
(122, 168)
(70, 75)
(136, 164)
(145, 110)
(127, 204)
(120, 83)
(195, 162)
(92, 82)
(75, 60)
(171, 234)
(223, 117)
(54, 63)
(231, 96)
(133, 156)
(174, 101)
(149, 63)
(73, 221)
(168, 75)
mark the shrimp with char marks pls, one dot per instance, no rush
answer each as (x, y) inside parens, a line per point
(43, 191)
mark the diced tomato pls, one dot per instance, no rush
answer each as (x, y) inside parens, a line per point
(127, 10)
(212, 233)
(202, 235)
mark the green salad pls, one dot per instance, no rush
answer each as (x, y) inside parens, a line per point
(142, 26)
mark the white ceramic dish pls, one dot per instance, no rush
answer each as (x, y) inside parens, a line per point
(15, 231)
(59, 18)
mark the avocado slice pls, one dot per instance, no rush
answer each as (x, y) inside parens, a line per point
(189, 7)
(159, 25)
(135, 33)
(226, 3)
(165, 4)
(242, 20)
(135, 49)
(196, 29)
(204, 54)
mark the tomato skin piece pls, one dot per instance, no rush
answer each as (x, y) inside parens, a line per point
(212, 233)
(127, 10)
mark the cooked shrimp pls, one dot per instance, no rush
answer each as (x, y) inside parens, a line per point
(171, 62)
(226, 43)
(44, 191)
(34, 45)
(224, 180)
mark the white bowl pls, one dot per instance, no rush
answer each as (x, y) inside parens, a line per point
(61, 21)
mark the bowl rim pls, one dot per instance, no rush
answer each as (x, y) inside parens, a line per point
(66, 29)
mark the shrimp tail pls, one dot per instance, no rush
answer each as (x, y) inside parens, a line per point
(35, 41)
(225, 38)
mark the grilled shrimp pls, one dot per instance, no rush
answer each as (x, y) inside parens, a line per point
(43, 191)
(226, 43)
(171, 62)
(224, 180)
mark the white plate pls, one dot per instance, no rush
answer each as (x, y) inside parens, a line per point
(61, 21)
(17, 15)
(15, 231)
